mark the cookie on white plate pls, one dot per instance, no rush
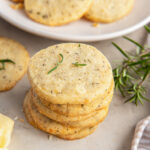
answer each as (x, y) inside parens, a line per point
(109, 10)
(56, 12)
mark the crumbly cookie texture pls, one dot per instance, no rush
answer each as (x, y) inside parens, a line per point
(79, 121)
(78, 134)
(68, 83)
(72, 110)
(109, 10)
(47, 124)
(81, 134)
(56, 12)
(11, 73)
(56, 116)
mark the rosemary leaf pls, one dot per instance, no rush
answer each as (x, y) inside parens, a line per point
(62, 58)
(147, 28)
(3, 61)
(134, 42)
(139, 62)
(77, 64)
(131, 74)
(121, 50)
(6, 61)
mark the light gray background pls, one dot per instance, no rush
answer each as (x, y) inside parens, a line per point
(115, 133)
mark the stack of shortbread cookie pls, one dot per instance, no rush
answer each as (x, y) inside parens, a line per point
(72, 87)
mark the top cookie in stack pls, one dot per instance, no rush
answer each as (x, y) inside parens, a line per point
(83, 75)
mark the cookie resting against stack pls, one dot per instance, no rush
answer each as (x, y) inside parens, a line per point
(14, 60)
(71, 90)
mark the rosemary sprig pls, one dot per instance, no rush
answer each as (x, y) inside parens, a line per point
(77, 64)
(3, 61)
(132, 73)
(62, 58)
(147, 28)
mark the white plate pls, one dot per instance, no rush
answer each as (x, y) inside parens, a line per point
(81, 30)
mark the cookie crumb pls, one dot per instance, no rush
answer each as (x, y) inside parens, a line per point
(16, 118)
(95, 24)
(17, 6)
(50, 137)
(21, 120)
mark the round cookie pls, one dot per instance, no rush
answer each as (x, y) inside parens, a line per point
(56, 12)
(55, 116)
(70, 83)
(72, 110)
(46, 124)
(14, 60)
(81, 134)
(109, 10)
(28, 115)
(98, 117)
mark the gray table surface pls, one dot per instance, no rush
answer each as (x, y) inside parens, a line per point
(115, 133)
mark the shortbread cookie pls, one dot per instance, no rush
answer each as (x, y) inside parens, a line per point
(47, 124)
(55, 116)
(70, 73)
(78, 121)
(81, 134)
(109, 10)
(14, 60)
(27, 114)
(98, 117)
(56, 12)
(72, 110)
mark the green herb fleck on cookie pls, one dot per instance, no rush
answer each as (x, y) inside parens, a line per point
(62, 58)
(77, 64)
(3, 61)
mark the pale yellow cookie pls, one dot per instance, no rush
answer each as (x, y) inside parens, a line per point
(98, 117)
(14, 60)
(56, 12)
(109, 10)
(27, 114)
(74, 121)
(56, 116)
(79, 135)
(46, 124)
(72, 110)
(56, 75)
